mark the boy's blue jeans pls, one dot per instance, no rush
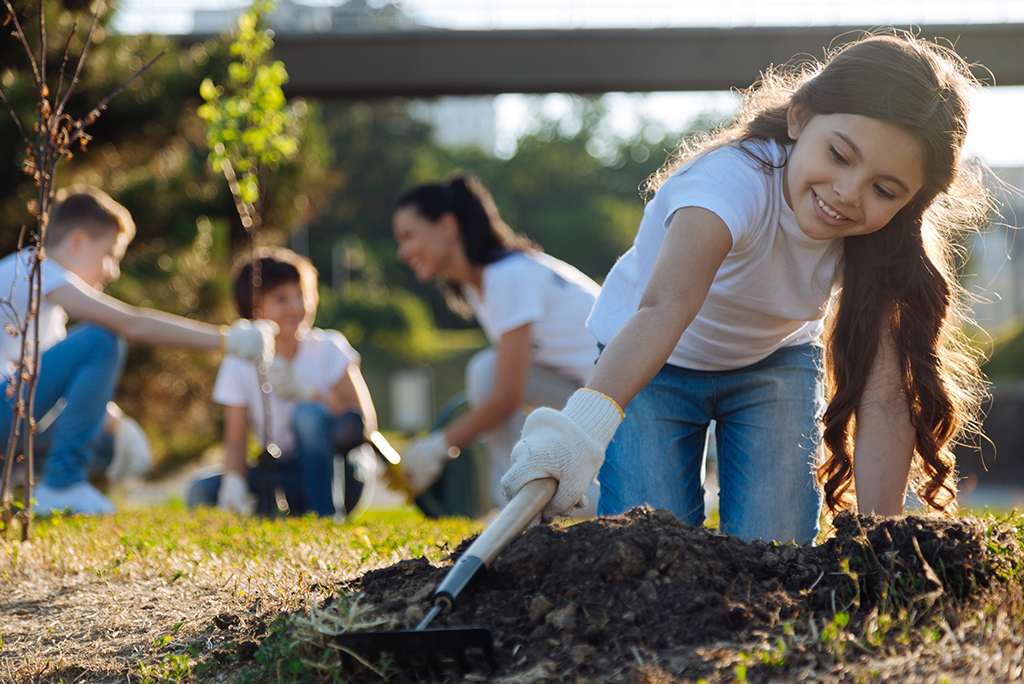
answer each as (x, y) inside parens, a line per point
(85, 369)
(306, 474)
(768, 436)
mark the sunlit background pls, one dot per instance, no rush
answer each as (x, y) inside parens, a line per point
(994, 133)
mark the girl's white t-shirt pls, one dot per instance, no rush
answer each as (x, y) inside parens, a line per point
(322, 359)
(14, 291)
(556, 298)
(772, 290)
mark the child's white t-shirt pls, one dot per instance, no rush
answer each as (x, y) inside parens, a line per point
(772, 290)
(556, 298)
(322, 359)
(14, 292)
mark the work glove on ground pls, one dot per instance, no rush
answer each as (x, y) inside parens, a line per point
(251, 340)
(234, 494)
(286, 384)
(567, 445)
(132, 452)
(424, 460)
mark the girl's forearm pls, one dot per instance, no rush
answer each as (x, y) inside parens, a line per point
(635, 355)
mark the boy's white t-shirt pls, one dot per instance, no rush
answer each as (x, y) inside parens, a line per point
(14, 292)
(556, 298)
(322, 359)
(772, 290)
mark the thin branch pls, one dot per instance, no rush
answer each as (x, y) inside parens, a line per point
(17, 121)
(42, 49)
(98, 109)
(81, 60)
(24, 42)
(64, 65)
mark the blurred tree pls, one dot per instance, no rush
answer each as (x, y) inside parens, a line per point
(149, 153)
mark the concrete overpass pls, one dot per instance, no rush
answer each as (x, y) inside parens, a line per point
(439, 62)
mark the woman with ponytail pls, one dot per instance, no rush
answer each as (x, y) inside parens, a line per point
(532, 307)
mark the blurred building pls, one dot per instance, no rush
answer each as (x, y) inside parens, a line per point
(457, 121)
(355, 16)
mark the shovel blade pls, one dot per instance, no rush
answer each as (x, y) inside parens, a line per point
(406, 645)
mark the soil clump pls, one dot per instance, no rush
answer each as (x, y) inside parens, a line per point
(620, 598)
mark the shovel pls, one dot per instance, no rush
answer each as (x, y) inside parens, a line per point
(520, 511)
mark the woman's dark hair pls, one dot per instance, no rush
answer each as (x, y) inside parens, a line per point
(485, 236)
(902, 279)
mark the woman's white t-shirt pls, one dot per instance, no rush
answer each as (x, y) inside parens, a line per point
(552, 296)
(772, 290)
(322, 359)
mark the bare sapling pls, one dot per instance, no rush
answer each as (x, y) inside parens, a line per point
(248, 131)
(49, 137)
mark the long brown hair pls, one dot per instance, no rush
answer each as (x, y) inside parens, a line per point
(903, 276)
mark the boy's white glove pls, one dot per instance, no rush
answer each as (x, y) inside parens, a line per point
(234, 495)
(251, 340)
(567, 445)
(132, 452)
(424, 460)
(286, 384)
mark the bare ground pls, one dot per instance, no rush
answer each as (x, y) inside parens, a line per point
(637, 598)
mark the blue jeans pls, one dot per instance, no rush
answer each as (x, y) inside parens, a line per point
(85, 369)
(306, 474)
(768, 418)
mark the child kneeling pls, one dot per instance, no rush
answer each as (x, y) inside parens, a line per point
(320, 406)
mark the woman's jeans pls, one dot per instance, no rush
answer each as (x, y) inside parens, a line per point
(768, 418)
(306, 475)
(84, 369)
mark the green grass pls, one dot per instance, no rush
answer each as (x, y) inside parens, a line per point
(194, 565)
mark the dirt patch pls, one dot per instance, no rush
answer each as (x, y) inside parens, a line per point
(646, 597)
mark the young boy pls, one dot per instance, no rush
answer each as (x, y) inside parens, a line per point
(319, 402)
(86, 238)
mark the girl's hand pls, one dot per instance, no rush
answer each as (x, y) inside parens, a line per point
(251, 340)
(567, 445)
(234, 495)
(424, 461)
(286, 384)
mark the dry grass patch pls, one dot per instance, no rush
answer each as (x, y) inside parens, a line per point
(168, 594)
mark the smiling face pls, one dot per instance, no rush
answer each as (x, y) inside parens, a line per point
(427, 247)
(285, 304)
(849, 174)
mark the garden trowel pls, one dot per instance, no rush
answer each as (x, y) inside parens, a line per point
(471, 565)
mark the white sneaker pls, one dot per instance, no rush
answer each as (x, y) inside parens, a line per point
(78, 498)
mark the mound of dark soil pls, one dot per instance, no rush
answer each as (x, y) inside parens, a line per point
(578, 603)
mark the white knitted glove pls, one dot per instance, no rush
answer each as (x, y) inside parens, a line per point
(567, 445)
(251, 340)
(132, 452)
(286, 384)
(424, 461)
(234, 495)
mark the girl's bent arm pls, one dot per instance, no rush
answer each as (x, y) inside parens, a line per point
(236, 439)
(885, 438)
(352, 394)
(140, 326)
(693, 250)
(511, 370)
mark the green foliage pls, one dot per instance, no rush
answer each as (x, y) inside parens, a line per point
(249, 123)
(1006, 361)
